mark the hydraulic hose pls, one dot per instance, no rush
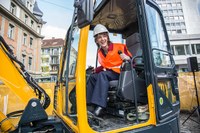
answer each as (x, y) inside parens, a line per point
(5, 124)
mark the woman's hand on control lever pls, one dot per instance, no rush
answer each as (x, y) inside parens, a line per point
(124, 57)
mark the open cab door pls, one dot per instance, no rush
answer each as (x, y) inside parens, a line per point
(145, 98)
(162, 68)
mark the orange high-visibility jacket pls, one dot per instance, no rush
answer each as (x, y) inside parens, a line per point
(112, 60)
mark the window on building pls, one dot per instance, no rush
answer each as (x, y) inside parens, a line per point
(178, 24)
(172, 24)
(182, 23)
(164, 11)
(180, 50)
(173, 5)
(187, 49)
(171, 17)
(164, 5)
(38, 29)
(198, 48)
(13, 8)
(24, 38)
(175, 11)
(170, 11)
(178, 4)
(183, 70)
(193, 49)
(181, 17)
(180, 11)
(169, 4)
(26, 19)
(11, 31)
(167, 24)
(54, 68)
(46, 51)
(179, 31)
(32, 23)
(31, 42)
(29, 63)
(27, 4)
(173, 31)
(24, 59)
(184, 31)
(176, 17)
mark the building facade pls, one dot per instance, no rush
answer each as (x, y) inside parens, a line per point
(182, 19)
(50, 57)
(20, 26)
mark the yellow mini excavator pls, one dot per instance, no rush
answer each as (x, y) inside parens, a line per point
(145, 99)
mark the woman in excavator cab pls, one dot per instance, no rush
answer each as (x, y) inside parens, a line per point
(110, 56)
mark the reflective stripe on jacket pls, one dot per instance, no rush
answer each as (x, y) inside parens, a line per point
(112, 60)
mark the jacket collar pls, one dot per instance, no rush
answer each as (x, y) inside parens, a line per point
(110, 48)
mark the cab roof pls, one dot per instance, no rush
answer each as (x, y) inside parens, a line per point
(119, 16)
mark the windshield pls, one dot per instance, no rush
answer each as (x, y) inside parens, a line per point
(159, 46)
(158, 39)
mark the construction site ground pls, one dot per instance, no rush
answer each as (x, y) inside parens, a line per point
(192, 125)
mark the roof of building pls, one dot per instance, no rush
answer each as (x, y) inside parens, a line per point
(54, 42)
(36, 10)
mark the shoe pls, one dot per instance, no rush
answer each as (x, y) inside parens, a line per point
(98, 111)
(90, 108)
(143, 108)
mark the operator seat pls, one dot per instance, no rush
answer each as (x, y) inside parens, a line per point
(124, 86)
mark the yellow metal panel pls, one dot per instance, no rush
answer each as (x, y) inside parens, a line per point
(11, 77)
(49, 89)
(81, 82)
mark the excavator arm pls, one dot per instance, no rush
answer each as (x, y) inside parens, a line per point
(14, 76)
(33, 117)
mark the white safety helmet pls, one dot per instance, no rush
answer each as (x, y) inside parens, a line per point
(99, 28)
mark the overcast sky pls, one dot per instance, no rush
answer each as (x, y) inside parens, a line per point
(58, 15)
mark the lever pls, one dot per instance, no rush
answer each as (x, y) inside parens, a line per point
(119, 52)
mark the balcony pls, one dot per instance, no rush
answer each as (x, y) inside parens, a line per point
(45, 56)
(55, 53)
(54, 63)
(53, 71)
(45, 64)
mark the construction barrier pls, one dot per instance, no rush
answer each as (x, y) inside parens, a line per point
(187, 91)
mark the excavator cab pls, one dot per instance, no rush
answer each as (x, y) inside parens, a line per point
(148, 82)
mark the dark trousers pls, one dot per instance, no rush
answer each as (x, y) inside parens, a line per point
(98, 85)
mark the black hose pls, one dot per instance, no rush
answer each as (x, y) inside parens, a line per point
(15, 113)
